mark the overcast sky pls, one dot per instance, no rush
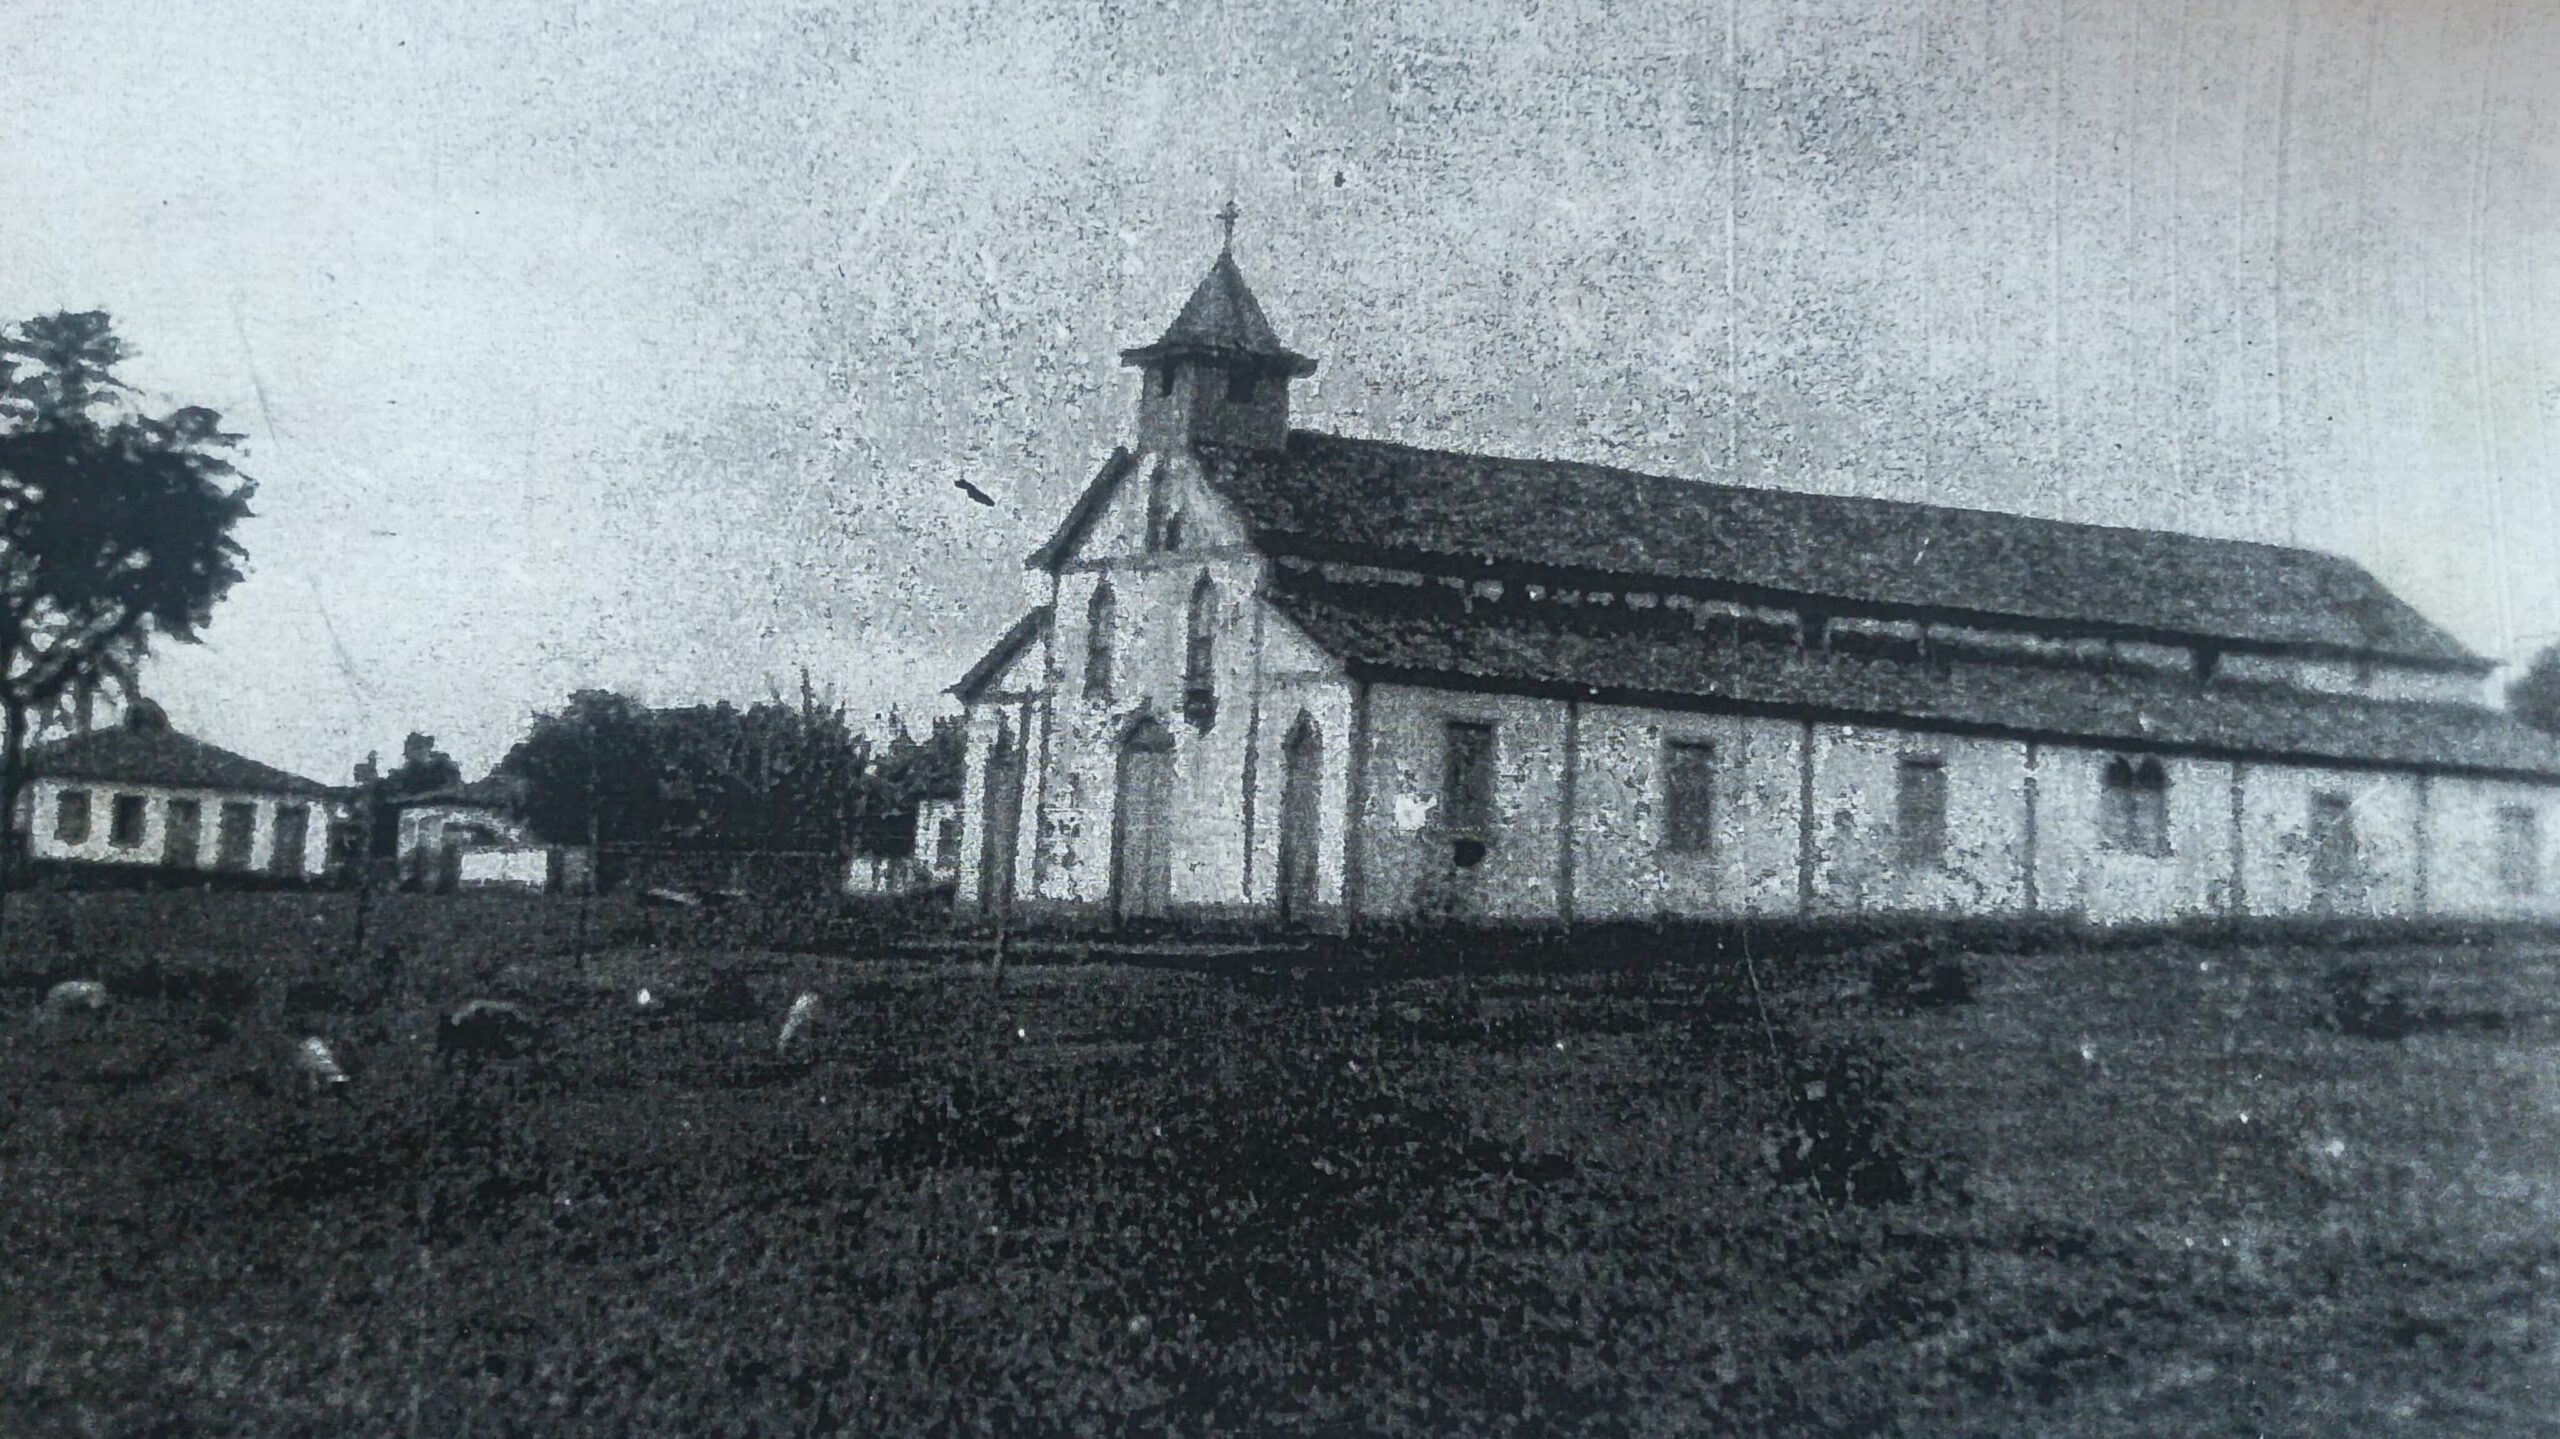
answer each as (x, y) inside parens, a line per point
(637, 344)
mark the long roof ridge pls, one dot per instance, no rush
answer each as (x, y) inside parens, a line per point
(1560, 463)
(1354, 495)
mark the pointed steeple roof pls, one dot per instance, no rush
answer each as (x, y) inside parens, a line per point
(1222, 321)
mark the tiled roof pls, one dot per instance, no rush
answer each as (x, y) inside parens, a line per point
(1222, 320)
(1424, 635)
(154, 756)
(1327, 495)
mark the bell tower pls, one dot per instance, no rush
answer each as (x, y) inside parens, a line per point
(1219, 373)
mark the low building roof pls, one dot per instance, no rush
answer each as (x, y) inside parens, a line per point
(151, 755)
(1427, 635)
(496, 791)
(1332, 497)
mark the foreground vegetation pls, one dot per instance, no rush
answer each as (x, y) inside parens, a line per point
(2159, 1189)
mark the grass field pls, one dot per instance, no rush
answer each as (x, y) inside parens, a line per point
(2132, 1190)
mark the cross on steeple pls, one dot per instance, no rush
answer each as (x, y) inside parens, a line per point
(1226, 217)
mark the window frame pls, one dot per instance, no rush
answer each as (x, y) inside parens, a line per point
(283, 860)
(1467, 810)
(2332, 812)
(2519, 865)
(1689, 829)
(118, 807)
(1200, 653)
(64, 802)
(1920, 847)
(223, 857)
(2133, 807)
(1101, 621)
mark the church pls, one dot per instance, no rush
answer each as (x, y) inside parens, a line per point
(1290, 678)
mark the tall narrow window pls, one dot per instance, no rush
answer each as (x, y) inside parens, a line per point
(1920, 809)
(2333, 844)
(1688, 796)
(1156, 506)
(1466, 781)
(239, 831)
(125, 821)
(2519, 851)
(2133, 807)
(71, 817)
(1173, 531)
(1101, 613)
(293, 834)
(1200, 656)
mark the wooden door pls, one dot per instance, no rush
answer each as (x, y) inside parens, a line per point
(186, 832)
(1142, 830)
(1003, 825)
(1302, 782)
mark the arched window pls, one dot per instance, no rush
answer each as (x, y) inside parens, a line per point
(1199, 656)
(1173, 530)
(1100, 614)
(2133, 809)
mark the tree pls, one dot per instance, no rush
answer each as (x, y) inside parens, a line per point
(115, 524)
(2535, 696)
(771, 777)
(423, 769)
(591, 770)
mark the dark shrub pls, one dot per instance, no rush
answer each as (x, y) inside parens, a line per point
(2363, 1005)
(1924, 972)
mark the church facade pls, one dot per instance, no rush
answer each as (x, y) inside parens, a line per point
(1302, 679)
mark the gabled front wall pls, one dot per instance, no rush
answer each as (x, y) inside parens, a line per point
(1229, 773)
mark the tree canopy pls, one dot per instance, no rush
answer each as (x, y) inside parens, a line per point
(2535, 696)
(115, 523)
(768, 777)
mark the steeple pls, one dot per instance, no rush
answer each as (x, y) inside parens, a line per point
(1219, 372)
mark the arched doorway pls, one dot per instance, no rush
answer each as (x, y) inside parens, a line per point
(1003, 825)
(1302, 782)
(1142, 824)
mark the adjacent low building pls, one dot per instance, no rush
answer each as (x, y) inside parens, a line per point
(1286, 676)
(145, 800)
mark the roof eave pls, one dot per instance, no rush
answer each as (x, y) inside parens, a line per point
(1279, 543)
(1002, 653)
(1288, 362)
